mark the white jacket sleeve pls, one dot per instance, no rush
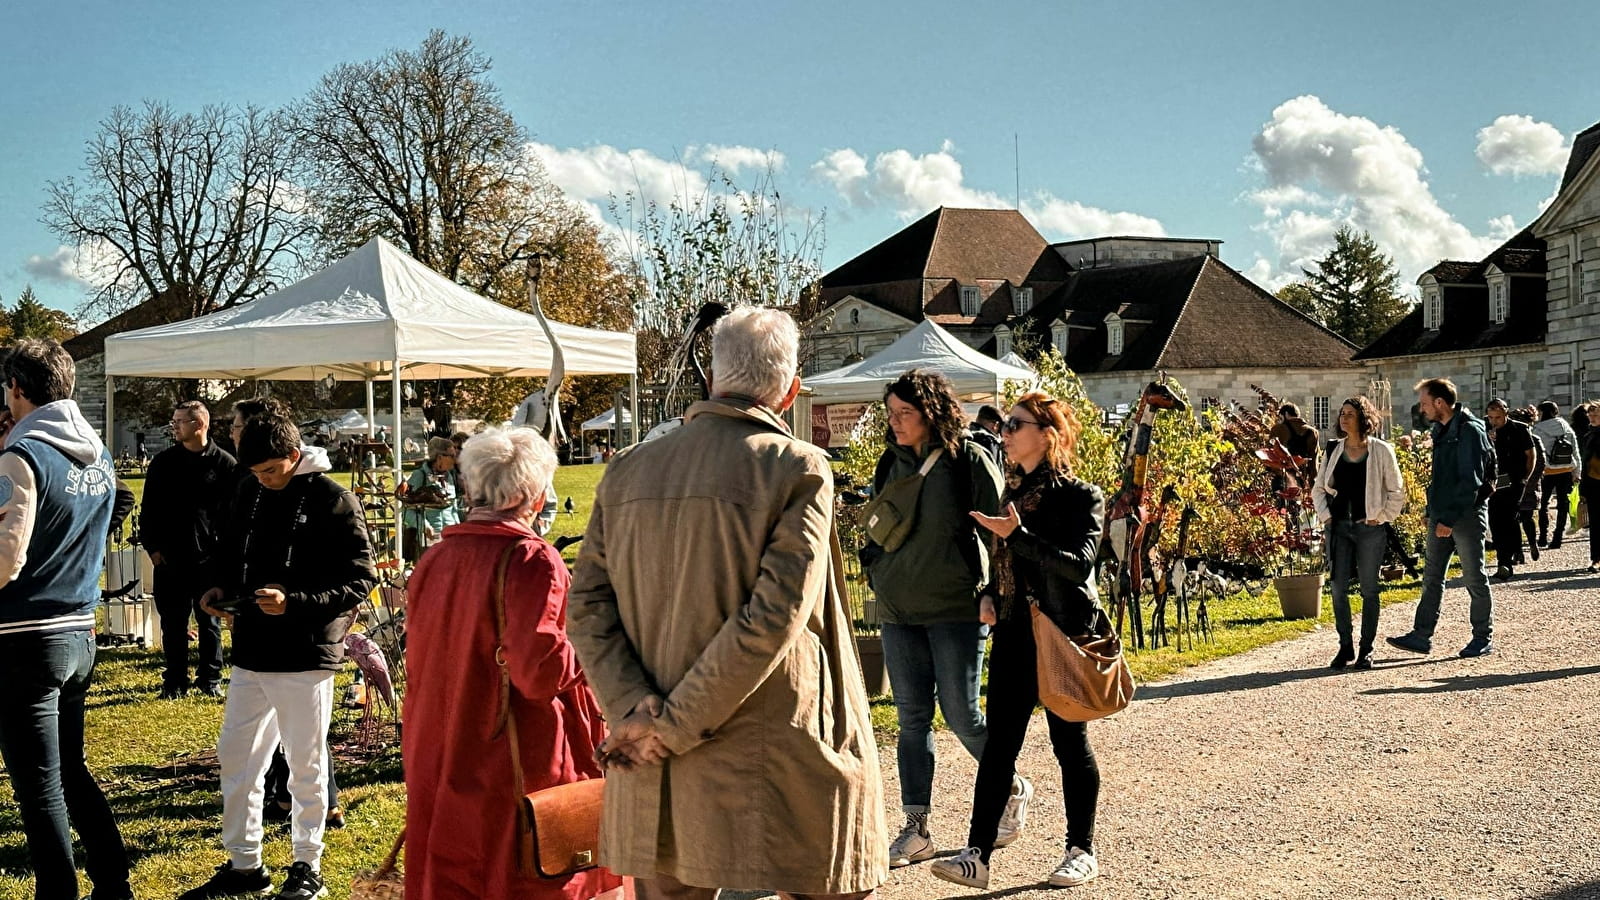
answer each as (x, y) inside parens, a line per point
(1319, 491)
(1394, 491)
(18, 508)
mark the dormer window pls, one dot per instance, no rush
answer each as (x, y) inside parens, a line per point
(1432, 309)
(1058, 336)
(970, 301)
(1002, 341)
(1021, 300)
(1498, 305)
(1113, 335)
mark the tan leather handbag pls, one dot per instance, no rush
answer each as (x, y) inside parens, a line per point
(1081, 678)
(558, 827)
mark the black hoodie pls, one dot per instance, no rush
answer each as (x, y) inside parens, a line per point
(311, 539)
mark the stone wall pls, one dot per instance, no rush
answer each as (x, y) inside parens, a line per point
(1303, 387)
(853, 330)
(1520, 375)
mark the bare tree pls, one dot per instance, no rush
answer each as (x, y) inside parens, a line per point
(195, 207)
(417, 146)
(733, 244)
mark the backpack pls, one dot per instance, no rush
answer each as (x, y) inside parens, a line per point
(1563, 451)
(1491, 471)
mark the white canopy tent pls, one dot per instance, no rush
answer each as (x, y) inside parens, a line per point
(1014, 359)
(927, 346)
(350, 421)
(376, 314)
(606, 421)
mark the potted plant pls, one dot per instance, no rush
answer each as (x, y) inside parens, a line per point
(1299, 543)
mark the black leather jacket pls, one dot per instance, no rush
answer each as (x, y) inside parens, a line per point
(1053, 552)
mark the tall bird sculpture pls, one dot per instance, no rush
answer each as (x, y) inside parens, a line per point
(1127, 524)
(543, 413)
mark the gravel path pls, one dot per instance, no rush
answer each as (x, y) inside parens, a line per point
(1267, 775)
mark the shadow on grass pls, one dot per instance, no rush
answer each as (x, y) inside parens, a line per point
(1252, 680)
(1454, 683)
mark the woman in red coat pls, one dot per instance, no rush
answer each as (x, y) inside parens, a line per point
(461, 818)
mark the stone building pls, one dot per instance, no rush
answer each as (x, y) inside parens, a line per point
(1120, 309)
(88, 354)
(1524, 322)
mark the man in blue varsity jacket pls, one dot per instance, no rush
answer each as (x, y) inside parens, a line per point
(57, 487)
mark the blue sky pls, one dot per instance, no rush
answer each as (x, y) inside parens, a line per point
(1436, 126)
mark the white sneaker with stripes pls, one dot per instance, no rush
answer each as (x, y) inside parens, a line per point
(1077, 868)
(1015, 818)
(914, 844)
(966, 867)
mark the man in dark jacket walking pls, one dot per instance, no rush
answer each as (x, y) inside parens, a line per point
(56, 487)
(186, 496)
(293, 564)
(1457, 516)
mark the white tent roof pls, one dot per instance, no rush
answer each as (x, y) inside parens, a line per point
(606, 420)
(353, 320)
(1013, 359)
(350, 421)
(927, 346)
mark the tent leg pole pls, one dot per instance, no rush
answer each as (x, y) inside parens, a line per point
(395, 445)
(111, 415)
(633, 408)
(372, 413)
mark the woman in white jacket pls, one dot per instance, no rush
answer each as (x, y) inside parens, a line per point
(1358, 491)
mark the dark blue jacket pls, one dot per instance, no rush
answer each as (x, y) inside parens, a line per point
(1459, 447)
(59, 583)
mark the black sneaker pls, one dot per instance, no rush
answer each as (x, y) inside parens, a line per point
(229, 882)
(275, 813)
(1364, 661)
(1477, 647)
(303, 883)
(1413, 642)
(1345, 656)
(173, 693)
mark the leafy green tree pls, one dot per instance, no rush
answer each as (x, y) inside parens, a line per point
(32, 319)
(1354, 289)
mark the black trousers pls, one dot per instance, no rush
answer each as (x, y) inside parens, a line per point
(1503, 529)
(1013, 696)
(1560, 487)
(276, 784)
(178, 591)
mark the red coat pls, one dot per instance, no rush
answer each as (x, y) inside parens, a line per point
(460, 815)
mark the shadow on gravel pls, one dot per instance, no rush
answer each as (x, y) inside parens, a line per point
(1484, 682)
(1589, 890)
(1011, 892)
(1253, 680)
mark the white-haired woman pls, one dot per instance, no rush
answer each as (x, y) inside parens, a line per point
(461, 837)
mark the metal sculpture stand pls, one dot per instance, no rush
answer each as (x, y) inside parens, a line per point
(1127, 525)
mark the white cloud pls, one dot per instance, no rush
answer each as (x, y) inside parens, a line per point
(910, 185)
(1324, 169)
(598, 172)
(93, 265)
(735, 159)
(1518, 145)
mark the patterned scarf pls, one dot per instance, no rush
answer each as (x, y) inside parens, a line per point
(1027, 492)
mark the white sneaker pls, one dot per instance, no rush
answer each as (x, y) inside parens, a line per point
(1015, 817)
(914, 843)
(966, 867)
(1077, 868)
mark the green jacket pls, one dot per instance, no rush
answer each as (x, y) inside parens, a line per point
(935, 576)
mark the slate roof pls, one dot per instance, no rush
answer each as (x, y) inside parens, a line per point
(1203, 315)
(1466, 324)
(1583, 147)
(1456, 271)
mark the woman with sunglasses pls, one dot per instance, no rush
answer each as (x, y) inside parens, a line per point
(1045, 542)
(927, 590)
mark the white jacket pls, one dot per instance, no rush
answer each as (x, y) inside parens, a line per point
(1386, 495)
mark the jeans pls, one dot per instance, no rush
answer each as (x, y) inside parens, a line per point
(929, 662)
(1355, 550)
(177, 597)
(1013, 694)
(45, 678)
(1560, 487)
(1466, 541)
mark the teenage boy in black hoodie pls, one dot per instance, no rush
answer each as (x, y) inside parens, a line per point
(293, 565)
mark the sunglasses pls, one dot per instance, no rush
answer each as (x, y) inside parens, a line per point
(1014, 425)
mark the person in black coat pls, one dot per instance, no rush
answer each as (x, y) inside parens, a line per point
(186, 497)
(1589, 478)
(1045, 544)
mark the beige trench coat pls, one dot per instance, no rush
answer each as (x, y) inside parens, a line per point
(710, 575)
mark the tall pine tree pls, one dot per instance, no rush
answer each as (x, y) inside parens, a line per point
(1354, 289)
(32, 319)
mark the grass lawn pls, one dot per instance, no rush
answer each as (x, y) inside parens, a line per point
(154, 758)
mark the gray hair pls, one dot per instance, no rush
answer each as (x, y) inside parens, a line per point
(508, 468)
(755, 353)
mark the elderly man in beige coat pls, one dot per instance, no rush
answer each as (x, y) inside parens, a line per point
(708, 613)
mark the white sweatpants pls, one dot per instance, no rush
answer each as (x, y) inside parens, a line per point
(262, 710)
